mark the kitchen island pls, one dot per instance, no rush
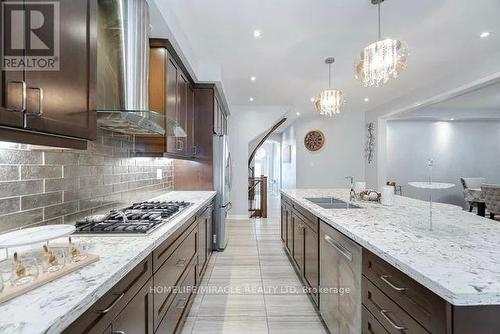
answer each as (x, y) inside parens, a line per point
(458, 262)
(54, 306)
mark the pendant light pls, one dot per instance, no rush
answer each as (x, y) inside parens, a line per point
(381, 60)
(330, 101)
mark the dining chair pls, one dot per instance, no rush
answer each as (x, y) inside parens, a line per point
(492, 198)
(472, 197)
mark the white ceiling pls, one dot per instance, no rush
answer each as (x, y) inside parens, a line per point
(297, 35)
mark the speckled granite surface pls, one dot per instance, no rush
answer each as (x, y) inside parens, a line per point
(52, 307)
(458, 260)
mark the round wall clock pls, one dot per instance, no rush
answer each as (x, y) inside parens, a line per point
(314, 140)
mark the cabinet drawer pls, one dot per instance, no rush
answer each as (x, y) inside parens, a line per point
(370, 324)
(310, 219)
(172, 320)
(169, 274)
(423, 305)
(99, 316)
(286, 200)
(388, 313)
(165, 250)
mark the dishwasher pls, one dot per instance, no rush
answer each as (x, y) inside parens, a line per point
(340, 281)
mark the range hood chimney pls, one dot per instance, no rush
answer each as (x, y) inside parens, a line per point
(123, 71)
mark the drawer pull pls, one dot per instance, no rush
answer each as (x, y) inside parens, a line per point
(389, 320)
(385, 279)
(180, 263)
(181, 303)
(118, 332)
(112, 304)
(339, 248)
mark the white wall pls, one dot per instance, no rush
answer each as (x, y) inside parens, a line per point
(289, 168)
(459, 149)
(244, 124)
(342, 154)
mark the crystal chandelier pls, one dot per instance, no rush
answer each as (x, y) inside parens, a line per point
(382, 60)
(330, 101)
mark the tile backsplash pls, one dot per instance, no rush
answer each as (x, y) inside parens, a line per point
(42, 185)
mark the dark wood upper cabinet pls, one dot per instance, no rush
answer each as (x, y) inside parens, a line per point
(62, 102)
(56, 102)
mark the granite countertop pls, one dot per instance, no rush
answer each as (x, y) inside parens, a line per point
(54, 306)
(459, 259)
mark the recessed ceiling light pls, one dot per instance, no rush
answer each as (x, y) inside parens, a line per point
(485, 34)
(250, 99)
(366, 99)
(257, 33)
(313, 99)
(297, 113)
(253, 78)
(452, 119)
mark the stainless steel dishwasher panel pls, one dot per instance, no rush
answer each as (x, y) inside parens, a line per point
(340, 281)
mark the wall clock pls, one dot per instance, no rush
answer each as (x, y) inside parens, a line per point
(314, 140)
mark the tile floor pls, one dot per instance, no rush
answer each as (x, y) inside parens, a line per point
(251, 287)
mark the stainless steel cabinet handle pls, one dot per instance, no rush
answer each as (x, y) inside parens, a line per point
(181, 303)
(23, 95)
(180, 263)
(339, 248)
(389, 283)
(389, 320)
(40, 100)
(112, 304)
(195, 150)
(118, 332)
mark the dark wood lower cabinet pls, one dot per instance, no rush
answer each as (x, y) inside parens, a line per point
(390, 301)
(137, 316)
(155, 296)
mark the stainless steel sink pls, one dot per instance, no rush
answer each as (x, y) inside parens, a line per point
(331, 203)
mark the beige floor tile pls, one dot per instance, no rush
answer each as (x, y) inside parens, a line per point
(235, 285)
(290, 285)
(230, 325)
(286, 305)
(188, 325)
(248, 271)
(232, 305)
(296, 325)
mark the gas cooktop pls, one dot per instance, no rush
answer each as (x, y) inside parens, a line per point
(139, 218)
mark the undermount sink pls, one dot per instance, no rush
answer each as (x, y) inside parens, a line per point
(331, 203)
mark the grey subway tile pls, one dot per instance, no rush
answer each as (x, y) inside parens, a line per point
(19, 188)
(67, 184)
(20, 219)
(18, 157)
(40, 172)
(60, 209)
(9, 173)
(9, 205)
(61, 158)
(40, 200)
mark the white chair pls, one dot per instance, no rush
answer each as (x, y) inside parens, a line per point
(471, 196)
(492, 198)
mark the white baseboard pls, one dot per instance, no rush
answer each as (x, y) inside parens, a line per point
(238, 217)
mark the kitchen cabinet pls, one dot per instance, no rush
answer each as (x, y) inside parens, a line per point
(155, 296)
(171, 93)
(136, 317)
(220, 118)
(205, 240)
(56, 103)
(298, 242)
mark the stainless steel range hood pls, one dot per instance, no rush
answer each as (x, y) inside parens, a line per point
(123, 71)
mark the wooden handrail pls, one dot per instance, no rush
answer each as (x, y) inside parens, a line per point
(261, 142)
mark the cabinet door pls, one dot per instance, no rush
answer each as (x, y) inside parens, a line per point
(172, 102)
(289, 227)
(202, 243)
(12, 88)
(283, 222)
(62, 102)
(137, 316)
(311, 259)
(190, 143)
(298, 242)
(182, 105)
(209, 232)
